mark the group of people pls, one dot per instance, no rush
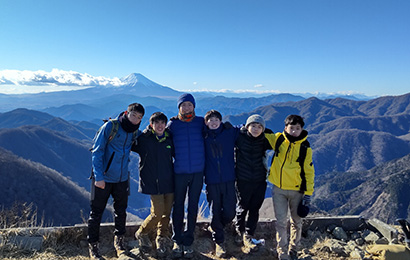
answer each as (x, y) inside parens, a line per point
(178, 155)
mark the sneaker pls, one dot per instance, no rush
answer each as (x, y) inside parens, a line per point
(144, 241)
(161, 243)
(220, 250)
(119, 245)
(188, 252)
(94, 250)
(247, 242)
(177, 251)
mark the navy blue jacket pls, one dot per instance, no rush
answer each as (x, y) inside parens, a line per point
(219, 154)
(189, 145)
(156, 167)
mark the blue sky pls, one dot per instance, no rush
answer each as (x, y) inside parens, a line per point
(359, 46)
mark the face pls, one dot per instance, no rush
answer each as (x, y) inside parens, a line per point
(134, 117)
(159, 127)
(186, 107)
(294, 130)
(255, 129)
(213, 123)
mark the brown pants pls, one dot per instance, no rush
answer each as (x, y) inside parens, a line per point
(161, 206)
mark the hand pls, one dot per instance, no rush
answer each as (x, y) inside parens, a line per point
(306, 200)
(100, 184)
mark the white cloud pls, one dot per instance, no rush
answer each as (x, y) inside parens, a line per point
(55, 78)
(258, 86)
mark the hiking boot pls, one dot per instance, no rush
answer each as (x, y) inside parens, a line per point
(293, 255)
(177, 250)
(94, 250)
(144, 241)
(119, 245)
(247, 242)
(161, 243)
(238, 238)
(188, 252)
(220, 250)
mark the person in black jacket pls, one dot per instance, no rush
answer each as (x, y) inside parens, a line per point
(155, 148)
(220, 175)
(251, 173)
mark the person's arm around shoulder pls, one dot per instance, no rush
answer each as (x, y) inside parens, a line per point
(271, 136)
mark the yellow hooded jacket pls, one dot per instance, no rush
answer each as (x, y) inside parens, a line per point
(285, 169)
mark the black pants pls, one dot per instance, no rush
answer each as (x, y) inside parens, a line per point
(186, 185)
(119, 192)
(250, 199)
(222, 201)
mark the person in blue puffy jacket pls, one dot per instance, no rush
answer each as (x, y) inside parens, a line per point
(110, 158)
(187, 132)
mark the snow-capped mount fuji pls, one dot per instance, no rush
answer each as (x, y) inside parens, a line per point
(140, 85)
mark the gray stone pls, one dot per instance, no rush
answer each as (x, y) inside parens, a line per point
(357, 254)
(371, 237)
(387, 231)
(355, 235)
(359, 241)
(27, 243)
(339, 233)
(382, 241)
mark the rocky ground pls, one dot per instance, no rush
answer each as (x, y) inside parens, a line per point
(330, 241)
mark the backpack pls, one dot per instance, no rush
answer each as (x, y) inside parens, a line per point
(114, 131)
(302, 156)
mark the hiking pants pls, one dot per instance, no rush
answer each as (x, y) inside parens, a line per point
(222, 202)
(119, 192)
(161, 206)
(250, 198)
(191, 185)
(284, 201)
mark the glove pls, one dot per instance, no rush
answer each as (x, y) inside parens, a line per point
(306, 200)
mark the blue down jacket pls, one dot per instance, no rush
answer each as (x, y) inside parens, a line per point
(189, 145)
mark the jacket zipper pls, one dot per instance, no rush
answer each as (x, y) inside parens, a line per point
(123, 155)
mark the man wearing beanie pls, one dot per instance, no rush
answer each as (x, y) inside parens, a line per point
(251, 172)
(189, 164)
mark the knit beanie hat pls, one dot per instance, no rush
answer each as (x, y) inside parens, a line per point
(255, 119)
(186, 97)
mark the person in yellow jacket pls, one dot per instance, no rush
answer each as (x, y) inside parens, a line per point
(293, 180)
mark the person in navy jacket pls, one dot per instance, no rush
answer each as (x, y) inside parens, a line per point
(187, 132)
(220, 175)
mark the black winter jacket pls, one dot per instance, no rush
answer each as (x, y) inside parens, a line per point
(156, 163)
(250, 156)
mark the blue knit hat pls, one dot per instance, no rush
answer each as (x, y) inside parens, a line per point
(186, 97)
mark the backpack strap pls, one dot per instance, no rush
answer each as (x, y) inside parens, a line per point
(278, 143)
(302, 156)
(114, 129)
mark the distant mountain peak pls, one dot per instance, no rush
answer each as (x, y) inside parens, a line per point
(136, 78)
